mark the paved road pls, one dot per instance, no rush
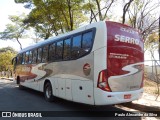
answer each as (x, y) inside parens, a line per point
(14, 99)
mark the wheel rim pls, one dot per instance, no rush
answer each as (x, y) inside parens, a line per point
(48, 92)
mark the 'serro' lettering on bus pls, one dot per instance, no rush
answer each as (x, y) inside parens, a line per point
(126, 39)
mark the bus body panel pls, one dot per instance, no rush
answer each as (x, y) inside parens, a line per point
(56, 87)
(61, 79)
(124, 65)
(99, 63)
(107, 98)
(61, 87)
(82, 91)
(125, 58)
(69, 90)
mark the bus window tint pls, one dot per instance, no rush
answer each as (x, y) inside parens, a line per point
(27, 57)
(30, 57)
(34, 56)
(59, 50)
(45, 54)
(87, 42)
(76, 47)
(52, 49)
(39, 58)
(23, 59)
(66, 51)
(19, 58)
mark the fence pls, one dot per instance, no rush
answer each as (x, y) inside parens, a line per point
(152, 70)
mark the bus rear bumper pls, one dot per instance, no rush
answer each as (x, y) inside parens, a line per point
(109, 98)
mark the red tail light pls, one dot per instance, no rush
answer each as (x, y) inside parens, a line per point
(103, 81)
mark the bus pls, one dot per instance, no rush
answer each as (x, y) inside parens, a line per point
(98, 64)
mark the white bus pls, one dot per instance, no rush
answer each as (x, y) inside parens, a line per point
(99, 64)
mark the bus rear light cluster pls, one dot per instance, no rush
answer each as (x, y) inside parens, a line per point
(103, 81)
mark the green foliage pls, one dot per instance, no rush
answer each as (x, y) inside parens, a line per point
(142, 16)
(98, 9)
(151, 42)
(50, 17)
(8, 49)
(6, 56)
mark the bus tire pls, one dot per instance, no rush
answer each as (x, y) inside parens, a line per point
(48, 92)
(21, 87)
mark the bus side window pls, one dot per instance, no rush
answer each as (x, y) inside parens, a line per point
(27, 57)
(86, 42)
(52, 49)
(20, 58)
(23, 58)
(59, 50)
(39, 58)
(66, 50)
(76, 47)
(34, 56)
(45, 54)
(30, 57)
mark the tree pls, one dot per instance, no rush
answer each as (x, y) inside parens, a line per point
(8, 49)
(151, 43)
(98, 9)
(5, 61)
(142, 16)
(125, 9)
(15, 30)
(6, 56)
(50, 17)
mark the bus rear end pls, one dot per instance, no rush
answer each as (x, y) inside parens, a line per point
(122, 80)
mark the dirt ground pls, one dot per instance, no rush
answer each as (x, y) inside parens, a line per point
(150, 94)
(147, 102)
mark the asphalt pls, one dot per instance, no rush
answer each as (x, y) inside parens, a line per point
(11, 98)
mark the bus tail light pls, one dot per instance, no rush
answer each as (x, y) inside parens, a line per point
(103, 81)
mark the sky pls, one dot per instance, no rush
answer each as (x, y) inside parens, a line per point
(9, 7)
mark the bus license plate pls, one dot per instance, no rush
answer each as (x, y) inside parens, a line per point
(127, 96)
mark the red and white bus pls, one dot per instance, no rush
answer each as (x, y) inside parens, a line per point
(99, 64)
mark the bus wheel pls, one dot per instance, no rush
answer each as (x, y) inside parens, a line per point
(48, 92)
(21, 87)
